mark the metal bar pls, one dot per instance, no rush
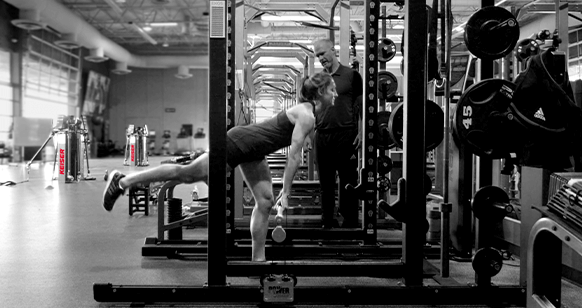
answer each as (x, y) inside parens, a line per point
(414, 164)
(316, 295)
(217, 145)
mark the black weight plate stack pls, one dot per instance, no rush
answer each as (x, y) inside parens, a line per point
(483, 121)
(526, 48)
(387, 85)
(434, 123)
(487, 262)
(384, 140)
(491, 33)
(483, 204)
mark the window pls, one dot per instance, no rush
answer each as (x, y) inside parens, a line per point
(51, 79)
(575, 55)
(6, 104)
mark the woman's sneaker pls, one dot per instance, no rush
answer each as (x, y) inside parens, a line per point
(112, 190)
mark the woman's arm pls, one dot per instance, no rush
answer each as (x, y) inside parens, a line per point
(304, 124)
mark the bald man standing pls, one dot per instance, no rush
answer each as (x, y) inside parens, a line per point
(337, 138)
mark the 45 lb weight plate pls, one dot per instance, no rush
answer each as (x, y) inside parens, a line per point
(483, 121)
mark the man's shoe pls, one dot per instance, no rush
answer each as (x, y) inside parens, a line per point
(112, 190)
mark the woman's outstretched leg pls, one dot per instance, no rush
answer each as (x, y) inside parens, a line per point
(258, 178)
(195, 171)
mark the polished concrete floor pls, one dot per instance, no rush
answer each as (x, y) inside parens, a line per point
(57, 242)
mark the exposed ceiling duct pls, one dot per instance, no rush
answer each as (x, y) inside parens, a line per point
(183, 72)
(29, 20)
(96, 55)
(61, 19)
(120, 69)
(68, 41)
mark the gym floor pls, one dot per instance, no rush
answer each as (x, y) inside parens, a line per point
(57, 242)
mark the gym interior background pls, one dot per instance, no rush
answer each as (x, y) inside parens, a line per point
(103, 65)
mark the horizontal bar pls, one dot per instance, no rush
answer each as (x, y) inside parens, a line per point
(197, 249)
(316, 295)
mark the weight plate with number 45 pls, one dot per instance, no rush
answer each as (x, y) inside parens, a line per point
(483, 121)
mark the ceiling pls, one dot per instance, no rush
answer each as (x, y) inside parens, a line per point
(138, 25)
(188, 31)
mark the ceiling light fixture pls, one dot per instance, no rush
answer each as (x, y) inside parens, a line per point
(163, 24)
(114, 7)
(143, 33)
(147, 28)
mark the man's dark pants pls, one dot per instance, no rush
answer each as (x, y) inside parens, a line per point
(335, 151)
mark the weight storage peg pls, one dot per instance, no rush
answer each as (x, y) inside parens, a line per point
(491, 204)
(491, 33)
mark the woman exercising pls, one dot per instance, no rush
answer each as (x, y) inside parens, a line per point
(247, 147)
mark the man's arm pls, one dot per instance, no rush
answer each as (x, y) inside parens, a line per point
(303, 126)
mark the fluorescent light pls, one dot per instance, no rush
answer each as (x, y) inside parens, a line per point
(115, 7)
(144, 34)
(163, 24)
(147, 28)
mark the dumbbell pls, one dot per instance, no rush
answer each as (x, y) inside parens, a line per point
(279, 233)
(491, 204)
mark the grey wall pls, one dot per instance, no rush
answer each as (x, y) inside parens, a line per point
(142, 97)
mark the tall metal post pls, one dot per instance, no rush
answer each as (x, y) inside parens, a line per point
(416, 36)
(369, 147)
(446, 30)
(230, 114)
(217, 143)
(485, 174)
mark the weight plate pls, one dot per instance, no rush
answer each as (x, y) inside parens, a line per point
(487, 262)
(384, 164)
(387, 85)
(484, 201)
(434, 124)
(384, 140)
(483, 121)
(491, 33)
(526, 48)
(386, 50)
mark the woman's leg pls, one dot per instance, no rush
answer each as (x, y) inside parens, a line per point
(258, 177)
(195, 171)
